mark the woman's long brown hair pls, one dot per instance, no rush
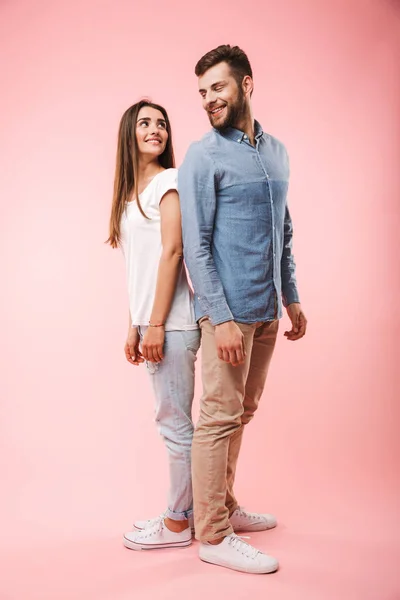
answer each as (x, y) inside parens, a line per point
(127, 166)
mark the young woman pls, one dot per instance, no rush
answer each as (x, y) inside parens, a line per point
(146, 224)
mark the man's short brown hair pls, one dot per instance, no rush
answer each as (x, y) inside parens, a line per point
(233, 55)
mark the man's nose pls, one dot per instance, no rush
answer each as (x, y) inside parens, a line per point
(211, 97)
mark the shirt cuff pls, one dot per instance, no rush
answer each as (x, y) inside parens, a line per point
(220, 314)
(290, 296)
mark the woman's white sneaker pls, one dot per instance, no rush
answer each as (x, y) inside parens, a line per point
(141, 525)
(241, 520)
(234, 553)
(156, 537)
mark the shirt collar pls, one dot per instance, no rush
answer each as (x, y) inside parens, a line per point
(258, 130)
(238, 136)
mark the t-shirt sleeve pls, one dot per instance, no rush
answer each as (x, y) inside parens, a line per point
(167, 181)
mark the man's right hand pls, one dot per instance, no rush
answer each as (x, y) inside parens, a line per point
(131, 349)
(230, 343)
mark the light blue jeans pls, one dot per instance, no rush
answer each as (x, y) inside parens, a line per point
(173, 386)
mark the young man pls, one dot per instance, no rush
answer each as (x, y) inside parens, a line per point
(237, 234)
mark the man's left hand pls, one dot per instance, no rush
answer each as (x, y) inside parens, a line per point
(299, 322)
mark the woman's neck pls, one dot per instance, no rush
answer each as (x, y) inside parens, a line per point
(148, 170)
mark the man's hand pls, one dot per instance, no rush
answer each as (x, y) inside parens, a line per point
(131, 349)
(230, 343)
(299, 322)
(153, 344)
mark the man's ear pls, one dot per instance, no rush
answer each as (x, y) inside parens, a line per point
(247, 85)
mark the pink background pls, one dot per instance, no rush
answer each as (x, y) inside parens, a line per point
(80, 455)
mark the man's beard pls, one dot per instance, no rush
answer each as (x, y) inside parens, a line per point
(234, 113)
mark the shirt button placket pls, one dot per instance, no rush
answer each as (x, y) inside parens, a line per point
(273, 226)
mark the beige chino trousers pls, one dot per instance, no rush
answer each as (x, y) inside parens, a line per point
(229, 401)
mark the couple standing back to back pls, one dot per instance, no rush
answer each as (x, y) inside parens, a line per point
(225, 212)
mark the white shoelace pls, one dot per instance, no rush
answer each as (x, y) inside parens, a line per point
(152, 522)
(240, 545)
(247, 515)
(154, 529)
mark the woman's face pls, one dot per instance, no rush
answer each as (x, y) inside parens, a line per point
(151, 132)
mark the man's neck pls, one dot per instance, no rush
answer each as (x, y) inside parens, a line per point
(246, 124)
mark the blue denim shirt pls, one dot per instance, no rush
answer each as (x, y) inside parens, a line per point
(237, 230)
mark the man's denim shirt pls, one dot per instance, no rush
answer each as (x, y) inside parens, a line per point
(237, 230)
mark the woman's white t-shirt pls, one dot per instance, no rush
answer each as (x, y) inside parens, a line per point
(142, 248)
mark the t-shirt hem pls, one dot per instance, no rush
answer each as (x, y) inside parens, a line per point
(171, 326)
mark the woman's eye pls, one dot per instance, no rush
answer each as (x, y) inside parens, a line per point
(162, 125)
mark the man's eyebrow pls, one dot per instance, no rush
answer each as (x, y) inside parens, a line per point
(214, 85)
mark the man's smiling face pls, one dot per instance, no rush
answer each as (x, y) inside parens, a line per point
(223, 99)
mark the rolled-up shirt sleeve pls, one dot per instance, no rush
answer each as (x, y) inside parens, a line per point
(197, 179)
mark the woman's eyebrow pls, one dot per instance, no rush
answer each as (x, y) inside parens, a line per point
(149, 119)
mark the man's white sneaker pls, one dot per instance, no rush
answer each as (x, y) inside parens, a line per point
(242, 520)
(234, 553)
(141, 525)
(156, 537)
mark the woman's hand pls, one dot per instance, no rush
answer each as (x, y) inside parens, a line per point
(132, 352)
(153, 344)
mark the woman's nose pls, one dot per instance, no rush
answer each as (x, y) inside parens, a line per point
(153, 128)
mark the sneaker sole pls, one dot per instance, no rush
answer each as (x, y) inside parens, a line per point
(142, 529)
(255, 527)
(258, 571)
(134, 546)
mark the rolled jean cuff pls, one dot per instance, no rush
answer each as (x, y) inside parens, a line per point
(179, 516)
